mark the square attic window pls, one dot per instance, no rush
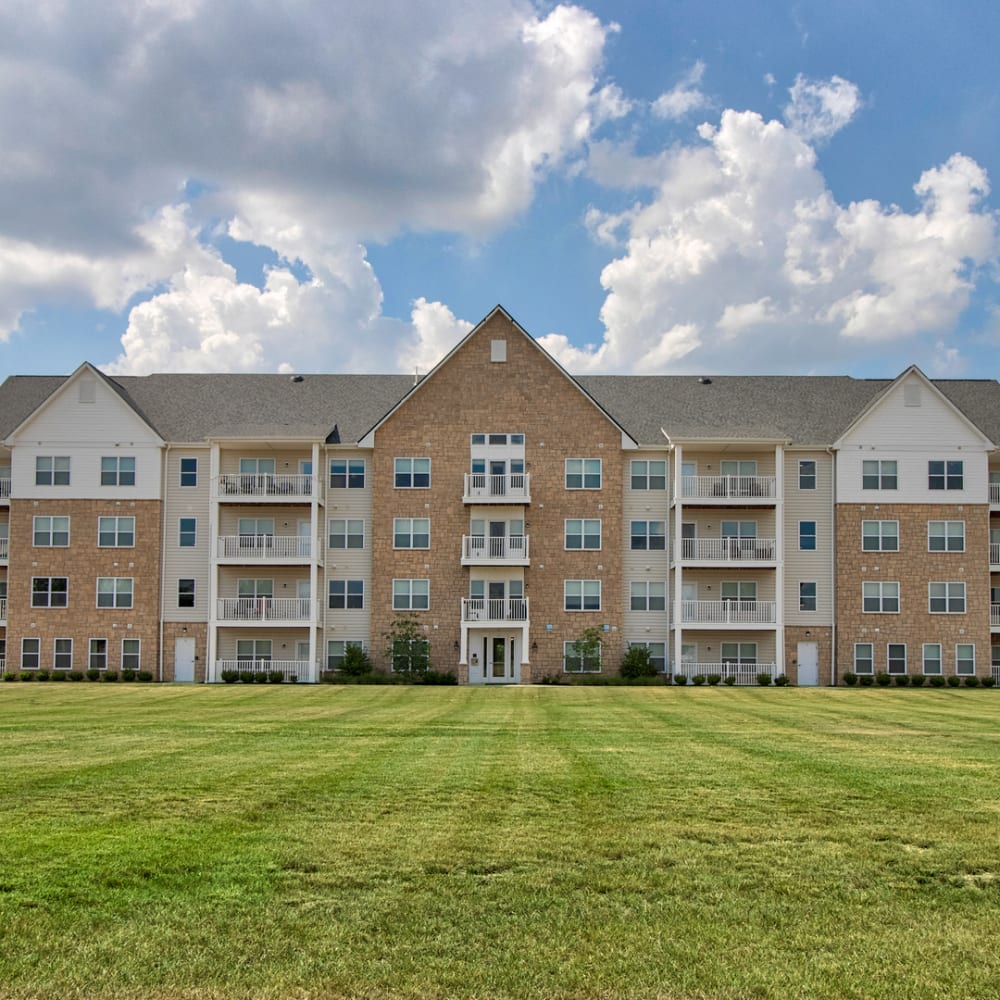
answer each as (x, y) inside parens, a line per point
(498, 350)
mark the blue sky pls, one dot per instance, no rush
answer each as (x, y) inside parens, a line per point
(646, 186)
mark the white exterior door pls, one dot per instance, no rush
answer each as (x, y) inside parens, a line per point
(183, 661)
(808, 657)
(305, 537)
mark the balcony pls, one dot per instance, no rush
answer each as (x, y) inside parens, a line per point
(252, 610)
(264, 548)
(729, 551)
(741, 490)
(728, 612)
(481, 487)
(267, 488)
(3, 610)
(994, 494)
(483, 550)
(4, 549)
(298, 670)
(5, 490)
(995, 556)
(484, 610)
(994, 615)
(745, 673)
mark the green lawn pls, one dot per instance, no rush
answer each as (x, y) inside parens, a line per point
(458, 842)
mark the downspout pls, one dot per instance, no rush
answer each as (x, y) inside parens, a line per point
(833, 566)
(163, 547)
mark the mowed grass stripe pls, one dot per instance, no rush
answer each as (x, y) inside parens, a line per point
(167, 842)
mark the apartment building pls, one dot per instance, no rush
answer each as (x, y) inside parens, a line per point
(805, 526)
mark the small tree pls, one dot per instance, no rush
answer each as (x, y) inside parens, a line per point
(356, 662)
(407, 647)
(584, 654)
(637, 663)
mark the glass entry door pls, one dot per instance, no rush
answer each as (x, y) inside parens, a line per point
(498, 665)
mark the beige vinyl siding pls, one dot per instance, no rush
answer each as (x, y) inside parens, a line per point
(709, 463)
(285, 578)
(286, 458)
(284, 641)
(193, 563)
(643, 565)
(809, 505)
(710, 645)
(709, 583)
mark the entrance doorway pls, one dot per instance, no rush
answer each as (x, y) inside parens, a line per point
(808, 657)
(183, 661)
(498, 659)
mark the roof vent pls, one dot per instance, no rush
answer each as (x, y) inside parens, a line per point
(705, 381)
(297, 378)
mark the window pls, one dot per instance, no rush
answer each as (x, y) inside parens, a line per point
(739, 530)
(116, 532)
(347, 474)
(347, 534)
(117, 471)
(50, 532)
(864, 658)
(896, 658)
(62, 654)
(946, 598)
(807, 595)
(965, 659)
(880, 536)
(878, 475)
(657, 654)
(52, 471)
(583, 534)
(187, 532)
(648, 596)
(347, 594)
(582, 595)
(98, 659)
(114, 591)
(648, 535)
(573, 663)
(253, 650)
(733, 468)
(880, 598)
(583, 473)
(413, 473)
(130, 654)
(739, 652)
(807, 536)
(189, 472)
(410, 654)
(945, 475)
(807, 474)
(649, 476)
(336, 650)
(411, 532)
(946, 536)
(30, 653)
(185, 593)
(49, 592)
(411, 595)
(932, 657)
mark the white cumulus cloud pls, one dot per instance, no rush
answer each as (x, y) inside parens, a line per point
(819, 109)
(686, 96)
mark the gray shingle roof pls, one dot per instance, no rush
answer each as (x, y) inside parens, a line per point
(805, 410)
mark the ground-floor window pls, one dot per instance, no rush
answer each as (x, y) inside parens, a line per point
(575, 663)
(409, 655)
(739, 652)
(30, 653)
(965, 659)
(864, 658)
(896, 657)
(336, 650)
(62, 654)
(657, 654)
(248, 650)
(932, 658)
(131, 659)
(98, 654)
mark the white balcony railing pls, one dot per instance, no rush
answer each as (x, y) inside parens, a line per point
(484, 549)
(3, 610)
(4, 547)
(728, 487)
(745, 673)
(264, 609)
(728, 612)
(994, 615)
(512, 488)
(494, 609)
(268, 486)
(5, 489)
(994, 494)
(994, 553)
(730, 550)
(301, 670)
(264, 547)
(995, 671)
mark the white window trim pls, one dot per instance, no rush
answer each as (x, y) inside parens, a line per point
(114, 606)
(881, 597)
(107, 651)
(888, 661)
(410, 581)
(583, 534)
(864, 673)
(411, 459)
(940, 660)
(116, 518)
(945, 536)
(347, 534)
(347, 595)
(582, 609)
(121, 662)
(967, 673)
(583, 472)
(411, 547)
(881, 535)
(62, 638)
(948, 584)
(49, 518)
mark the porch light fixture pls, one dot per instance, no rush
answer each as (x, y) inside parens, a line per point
(457, 647)
(534, 647)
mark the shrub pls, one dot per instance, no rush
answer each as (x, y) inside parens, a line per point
(729, 681)
(128, 674)
(917, 680)
(276, 677)
(781, 680)
(293, 678)
(882, 679)
(698, 680)
(260, 677)
(93, 674)
(27, 675)
(230, 676)
(988, 681)
(445, 677)
(57, 675)
(850, 678)
(43, 675)
(10, 676)
(680, 679)
(111, 676)
(763, 679)
(937, 681)
(144, 676)
(637, 663)
(901, 680)
(246, 676)
(972, 681)
(866, 680)
(550, 679)
(356, 661)
(75, 675)
(954, 681)
(714, 679)
(407, 646)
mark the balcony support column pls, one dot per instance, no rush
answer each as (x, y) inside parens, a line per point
(211, 653)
